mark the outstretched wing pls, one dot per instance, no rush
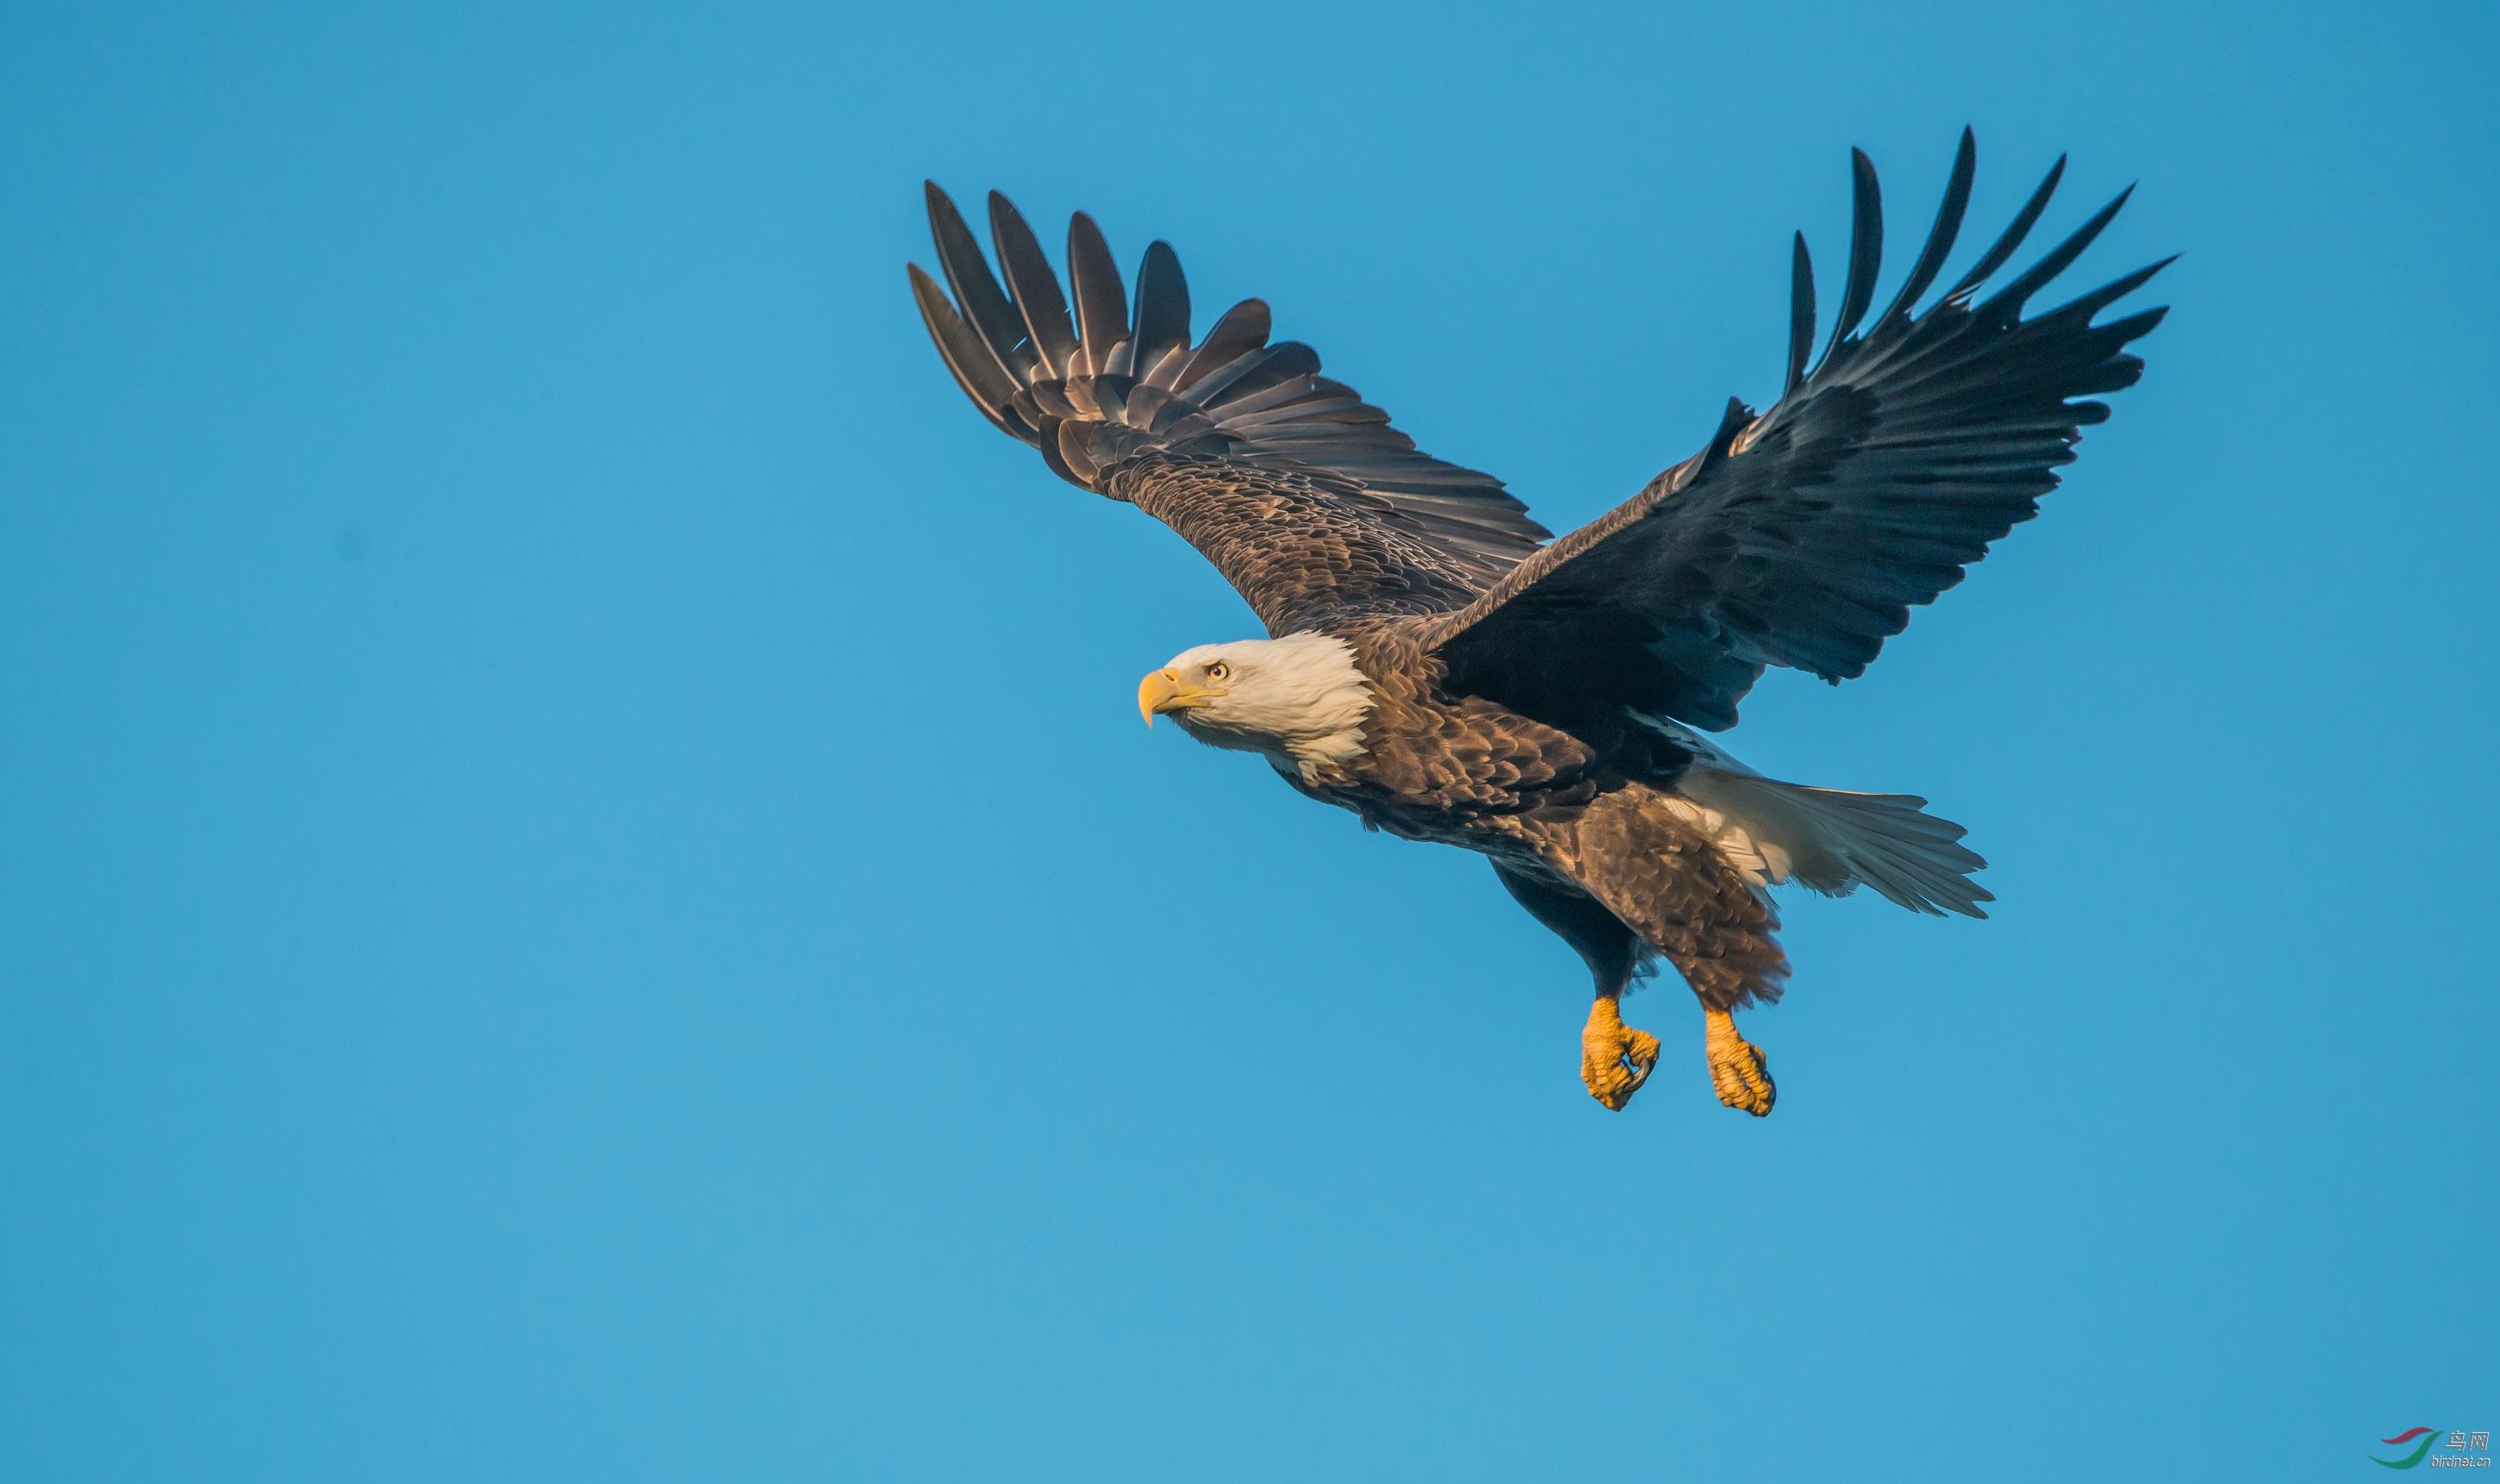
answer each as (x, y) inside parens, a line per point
(1804, 537)
(1299, 492)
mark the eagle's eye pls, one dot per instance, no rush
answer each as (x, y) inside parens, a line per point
(1219, 671)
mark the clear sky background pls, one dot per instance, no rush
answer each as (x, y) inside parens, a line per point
(583, 897)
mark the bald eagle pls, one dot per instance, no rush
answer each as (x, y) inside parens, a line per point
(1436, 664)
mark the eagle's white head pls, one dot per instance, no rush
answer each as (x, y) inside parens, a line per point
(1299, 700)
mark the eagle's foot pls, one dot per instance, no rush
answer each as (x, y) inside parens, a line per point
(1614, 1059)
(1738, 1071)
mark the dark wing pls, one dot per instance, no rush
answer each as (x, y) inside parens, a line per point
(1299, 492)
(1804, 537)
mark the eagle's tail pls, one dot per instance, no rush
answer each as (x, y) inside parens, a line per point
(1832, 839)
(1828, 838)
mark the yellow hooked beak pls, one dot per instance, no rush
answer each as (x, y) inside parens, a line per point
(1162, 692)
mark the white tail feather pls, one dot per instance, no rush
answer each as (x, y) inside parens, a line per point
(1828, 838)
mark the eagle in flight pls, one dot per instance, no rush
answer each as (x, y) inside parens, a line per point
(1436, 664)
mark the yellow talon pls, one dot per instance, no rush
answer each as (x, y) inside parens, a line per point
(1738, 1071)
(1614, 1059)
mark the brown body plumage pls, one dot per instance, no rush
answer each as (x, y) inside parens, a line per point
(1438, 669)
(1559, 816)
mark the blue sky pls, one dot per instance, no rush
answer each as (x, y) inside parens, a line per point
(581, 895)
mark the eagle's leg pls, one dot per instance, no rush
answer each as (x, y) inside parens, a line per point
(1641, 855)
(1614, 1059)
(1738, 1071)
